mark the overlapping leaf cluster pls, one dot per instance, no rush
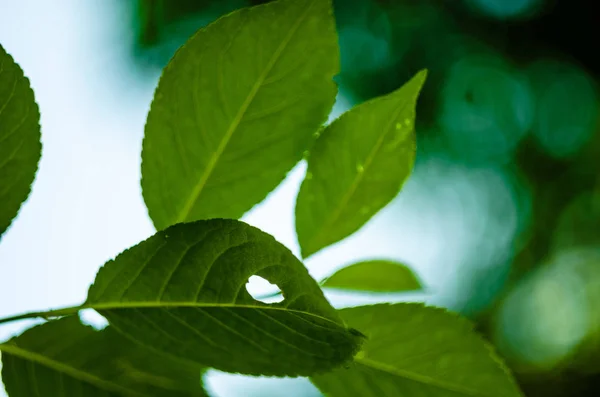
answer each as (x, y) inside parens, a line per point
(238, 106)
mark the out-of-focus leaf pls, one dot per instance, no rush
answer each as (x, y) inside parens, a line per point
(20, 146)
(578, 223)
(414, 351)
(236, 108)
(356, 167)
(374, 276)
(182, 292)
(559, 133)
(550, 320)
(67, 358)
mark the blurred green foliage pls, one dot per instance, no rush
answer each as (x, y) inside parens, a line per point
(513, 90)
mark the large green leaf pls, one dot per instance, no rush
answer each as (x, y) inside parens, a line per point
(374, 276)
(20, 146)
(182, 292)
(417, 351)
(356, 167)
(67, 358)
(236, 108)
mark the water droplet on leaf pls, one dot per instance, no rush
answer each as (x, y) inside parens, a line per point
(359, 168)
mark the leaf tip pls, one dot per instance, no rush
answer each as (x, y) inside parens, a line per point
(307, 248)
(420, 78)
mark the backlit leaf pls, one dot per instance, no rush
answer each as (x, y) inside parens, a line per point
(374, 276)
(182, 292)
(236, 108)
(356, 167)
(20, 146)
(67, 358)
(416, 351)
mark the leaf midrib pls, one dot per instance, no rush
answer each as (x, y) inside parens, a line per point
(416, 377)
(356, 181)
(66, 369)
(160, 304)
(199, 186)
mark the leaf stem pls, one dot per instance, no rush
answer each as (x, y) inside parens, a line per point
(43, 314)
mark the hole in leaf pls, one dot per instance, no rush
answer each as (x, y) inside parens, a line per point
(263, 291)
(93, 318)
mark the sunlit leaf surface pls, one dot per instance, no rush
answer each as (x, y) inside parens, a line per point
(236, 108)
(356, 167)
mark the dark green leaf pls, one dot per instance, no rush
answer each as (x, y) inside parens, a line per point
(413, 351)
(374, 276)
(20, 146)
(182, 292)
(236, 108)
(67, 358)
(356, 167)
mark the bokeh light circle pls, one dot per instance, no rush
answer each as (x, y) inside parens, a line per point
(507, 9)
(552, 313)
(568, 108)
(486, 108)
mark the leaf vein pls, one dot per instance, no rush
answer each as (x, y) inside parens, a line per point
(183, 322)
(428, 380)
(211, 265)
(358, 178)
(71, 371)
(10, 96)
(12, 154)
(185, 252)
(269, 335)
(228, 328)
(17, 127)
(183, 214)
(290, 328)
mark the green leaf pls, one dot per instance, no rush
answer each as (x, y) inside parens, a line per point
(236, 108)
(182, 292)
(413, 351)
(374, 276)
(356, 167)
(20, 146)
(67, 358)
